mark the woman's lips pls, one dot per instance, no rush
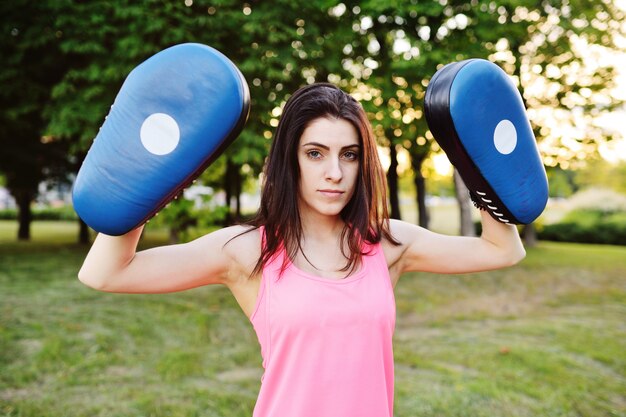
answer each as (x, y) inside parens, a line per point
(331, 193)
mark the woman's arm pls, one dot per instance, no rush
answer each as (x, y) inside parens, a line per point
(113, 265)
(499, 246)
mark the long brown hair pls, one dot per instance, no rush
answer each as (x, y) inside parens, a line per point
(365, 216)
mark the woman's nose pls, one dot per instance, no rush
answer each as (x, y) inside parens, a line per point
(333, 170)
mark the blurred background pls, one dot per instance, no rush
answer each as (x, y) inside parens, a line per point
(66, 350)
(65, 62)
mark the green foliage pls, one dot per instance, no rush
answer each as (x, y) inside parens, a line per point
(562, 182)
(588, 226)
(65, 60)
(181, 215)
(44, 213)
(32, 65)
(269, 41)
(178, 214)
(8, 214)
(600, 173)
(536, 43)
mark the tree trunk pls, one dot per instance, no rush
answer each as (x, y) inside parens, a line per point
(392, 182)
(238, 187)
(23, 199)
(529, 234)
(228, 189)
(83, 232)
(423, 218)
(174, 237)
(465, 206)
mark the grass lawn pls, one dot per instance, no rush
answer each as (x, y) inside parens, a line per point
(544, 338)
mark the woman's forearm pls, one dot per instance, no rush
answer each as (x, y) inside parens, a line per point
(504, 236)
(107, 255)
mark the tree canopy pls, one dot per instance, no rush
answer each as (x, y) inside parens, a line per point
(67, 59)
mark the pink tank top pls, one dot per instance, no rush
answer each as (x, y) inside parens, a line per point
(326, 343)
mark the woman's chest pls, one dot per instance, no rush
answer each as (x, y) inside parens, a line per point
(297, 303)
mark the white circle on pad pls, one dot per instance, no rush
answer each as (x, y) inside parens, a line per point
(159, 134)
(505, 137)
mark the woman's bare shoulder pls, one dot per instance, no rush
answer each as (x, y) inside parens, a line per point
(405, 234)
(241, 239)
(242, 243)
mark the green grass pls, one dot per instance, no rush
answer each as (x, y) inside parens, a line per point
(544, 338)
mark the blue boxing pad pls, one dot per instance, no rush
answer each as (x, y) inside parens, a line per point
(175, 114)
(478, 118)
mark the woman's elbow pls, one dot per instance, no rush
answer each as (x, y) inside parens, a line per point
(517, 255)
(90, 280)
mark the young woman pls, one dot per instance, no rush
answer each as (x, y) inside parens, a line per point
(315, 270)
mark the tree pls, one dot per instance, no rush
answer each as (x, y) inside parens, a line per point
(600, 173)
(32, 65)
(277, 46)
(553, 51)
(383, 53)
(397, 48)
(543, 46)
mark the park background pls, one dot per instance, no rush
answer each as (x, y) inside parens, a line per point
(544, 338)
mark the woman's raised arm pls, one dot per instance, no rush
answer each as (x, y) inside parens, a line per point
(113, 265)
(499, 246)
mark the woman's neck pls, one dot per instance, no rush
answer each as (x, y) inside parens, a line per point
(320, 227)
(321, 249)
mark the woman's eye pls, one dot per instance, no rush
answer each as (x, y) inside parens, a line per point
(351, 156)
(314, 154)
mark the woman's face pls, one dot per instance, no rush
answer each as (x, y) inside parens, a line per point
(328, 156)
